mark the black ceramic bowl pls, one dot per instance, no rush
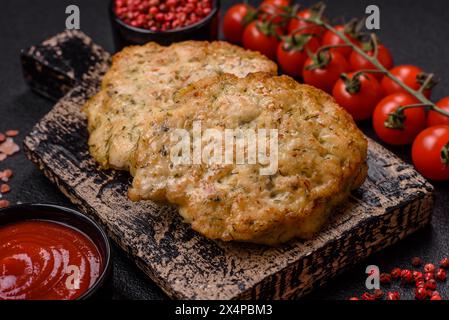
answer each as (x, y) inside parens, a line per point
(125, 35)
(23, 212)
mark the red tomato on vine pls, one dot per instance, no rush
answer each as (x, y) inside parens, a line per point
(292, 53)
(412, 76)
(325, 70)
(408, 125)
(272, 10)
(331, 39)
(358, 62)
(430, 153)
(235, 21)
(280, 3)
(303, 27)
(434, 118)
(358, 94)
(262, 37)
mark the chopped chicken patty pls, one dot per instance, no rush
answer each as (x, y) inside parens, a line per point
(321, 159)
(140, 85)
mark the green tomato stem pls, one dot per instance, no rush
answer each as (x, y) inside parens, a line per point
(373, 60)
(367, 71)
(426, 83)
(445, 155)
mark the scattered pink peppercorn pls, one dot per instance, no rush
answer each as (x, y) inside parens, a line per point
(429, 267)
(160, 15)
(431, 284)
(395, 273)
(444, 263)
(420, 283)
(368, 296)
(425, 282)
(6, 174)
(436, 297)
(420, 293)
(393, 295)
(428, 276)
(417, 275)
(4, 188)
(406, 276)
(441, 274)
(378, 294)
(4, 204)
(416, 261)
(385, 278)
(12, 133)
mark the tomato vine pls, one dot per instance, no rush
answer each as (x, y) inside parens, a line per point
(418, 94)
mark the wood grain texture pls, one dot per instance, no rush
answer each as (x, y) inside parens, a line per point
(394, 202)
(55, 66)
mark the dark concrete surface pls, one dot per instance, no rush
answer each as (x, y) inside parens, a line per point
(416, 31)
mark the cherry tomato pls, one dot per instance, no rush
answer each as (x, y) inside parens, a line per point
(234, 22)
(325, 77)
(359, 103)
(414, 123)
(281, 3)
(430, 153)
(272, 10)
(255, 38)
(357, 62)
(435, 118)
(304, 27)
(331, 39)
(407, 74)
(292, 53)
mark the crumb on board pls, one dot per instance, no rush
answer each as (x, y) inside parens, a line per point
(7, 148)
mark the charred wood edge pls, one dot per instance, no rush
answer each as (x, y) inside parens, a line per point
(55, 66)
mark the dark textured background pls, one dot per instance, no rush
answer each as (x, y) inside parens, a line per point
(416, 31)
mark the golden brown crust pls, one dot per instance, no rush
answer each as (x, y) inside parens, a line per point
(141, 82)
(322, 157)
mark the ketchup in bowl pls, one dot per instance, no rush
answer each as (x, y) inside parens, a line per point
(44, 260)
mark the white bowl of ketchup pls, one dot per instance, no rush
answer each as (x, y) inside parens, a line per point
(48, 252)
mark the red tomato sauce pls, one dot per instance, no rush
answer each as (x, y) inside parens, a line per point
(42, 260)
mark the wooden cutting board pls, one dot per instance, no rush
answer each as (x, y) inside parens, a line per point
(394, 202)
